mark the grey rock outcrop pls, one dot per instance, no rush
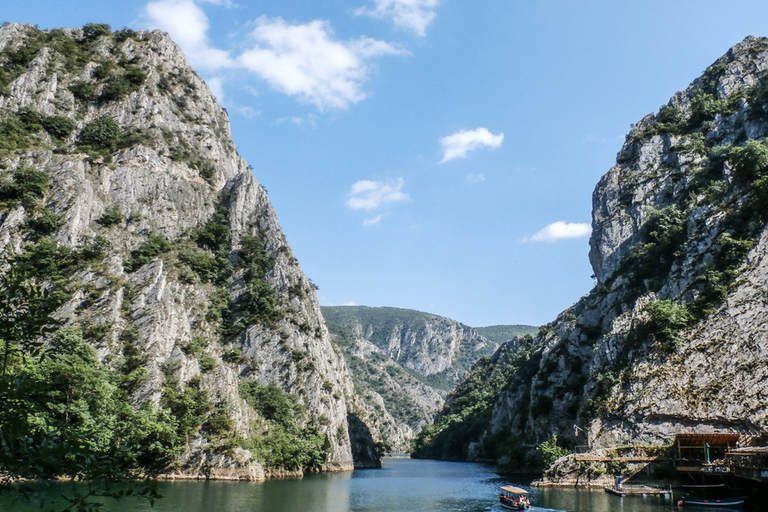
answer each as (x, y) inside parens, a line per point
(170, 170)
(428, 344)
(673, 337)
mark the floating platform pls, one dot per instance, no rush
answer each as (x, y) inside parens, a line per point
(637, 490)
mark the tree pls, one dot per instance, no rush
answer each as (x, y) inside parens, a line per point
(550, 451)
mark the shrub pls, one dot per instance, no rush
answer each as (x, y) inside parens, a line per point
(111, 216)
(206, 362)
(666, 319)
(550, 451)
(750, 161)
(45, 222)
(59, 127)
(149, 250)
(95, 30)
(203, 265)
(27, 186)
(82, 91)
(195, 346)
(101, 134)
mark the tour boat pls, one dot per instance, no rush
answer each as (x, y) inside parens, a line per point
(722, 503)
(514, 498)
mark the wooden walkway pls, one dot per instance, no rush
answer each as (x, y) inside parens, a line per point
(600, 458)
(637, 490)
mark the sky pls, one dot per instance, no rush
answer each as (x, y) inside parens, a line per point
(437, 155)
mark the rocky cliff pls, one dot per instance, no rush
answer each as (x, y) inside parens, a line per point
(403, 362)
(436, 349)
(673, 335)
(123, 193)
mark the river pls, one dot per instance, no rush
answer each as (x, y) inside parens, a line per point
(402, 485)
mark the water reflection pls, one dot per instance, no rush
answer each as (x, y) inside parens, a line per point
(402, 485)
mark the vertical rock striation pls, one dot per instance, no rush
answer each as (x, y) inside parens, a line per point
(192, 274)
(673, 336)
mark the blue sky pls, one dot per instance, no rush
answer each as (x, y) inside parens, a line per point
(438, 155)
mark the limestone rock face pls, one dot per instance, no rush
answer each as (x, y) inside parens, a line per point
(164, 166)
(428, 344)
(392, 402)
(673, 336)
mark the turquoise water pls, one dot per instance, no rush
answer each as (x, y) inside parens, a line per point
(402, 485)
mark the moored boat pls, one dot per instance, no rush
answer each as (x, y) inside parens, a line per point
(514, 498)
(721, 503)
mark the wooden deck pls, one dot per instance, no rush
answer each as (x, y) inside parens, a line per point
(637, 490)
(600, 458)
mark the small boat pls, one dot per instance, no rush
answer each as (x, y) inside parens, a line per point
(721, 503)
(514, 498)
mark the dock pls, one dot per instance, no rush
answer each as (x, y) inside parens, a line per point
(637, 490)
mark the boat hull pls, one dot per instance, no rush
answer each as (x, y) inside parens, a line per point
(734, 502)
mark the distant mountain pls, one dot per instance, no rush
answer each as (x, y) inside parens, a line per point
(501, 333)
(403, 363)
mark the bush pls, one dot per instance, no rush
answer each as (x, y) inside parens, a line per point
(95, 30)
(666, 319)
(750, 161)
(111, 216)
(287, 443)
(149, 250)
(101, 134)
(45, 222)
(82, 91)
(27, 186)
(550, 451)
(206, 362)
(203, 265)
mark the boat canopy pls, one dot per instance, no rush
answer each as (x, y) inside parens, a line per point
(513, 489)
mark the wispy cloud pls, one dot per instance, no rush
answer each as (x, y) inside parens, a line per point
(458, 144)
(304, 61)
(475, 178)
(371, 196)
(309, 121)
(413, 15)
(559, 230)
(188, 25)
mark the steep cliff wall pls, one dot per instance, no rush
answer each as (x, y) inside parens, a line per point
(392, 401)
(403, 362)
(673, 335)
(161, 245)
(435, 348)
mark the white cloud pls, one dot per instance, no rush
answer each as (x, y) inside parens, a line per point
(368, 195)
(306, 62)
(188, 26)
(458, 144)
(559, 230)
(372, 221)
(216, 85)
(248, 112)
(413, 15)
(305, 122)
(303, 61)
(475, 178)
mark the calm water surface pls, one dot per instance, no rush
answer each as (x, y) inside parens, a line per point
(402, 485)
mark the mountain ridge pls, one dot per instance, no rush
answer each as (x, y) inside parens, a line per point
(670, 337)
(124, 197)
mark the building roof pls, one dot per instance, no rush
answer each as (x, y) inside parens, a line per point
(712, 439)
(513, 489)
